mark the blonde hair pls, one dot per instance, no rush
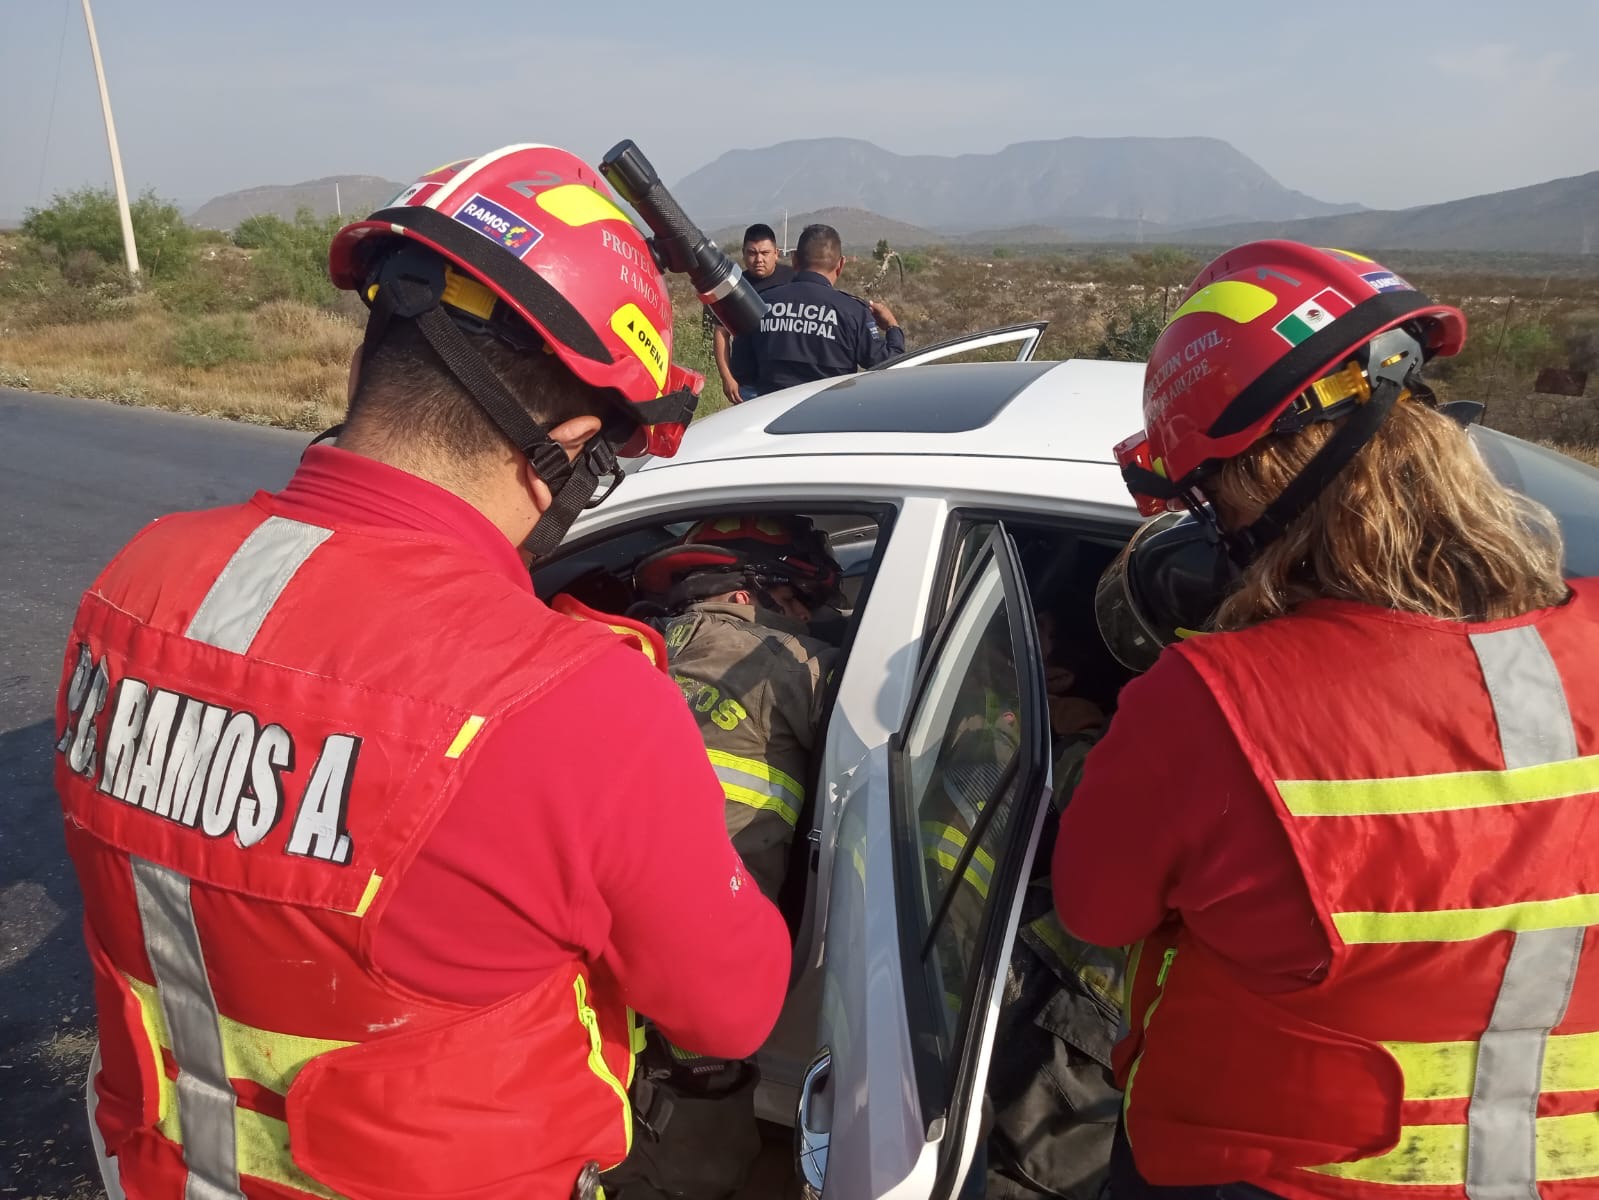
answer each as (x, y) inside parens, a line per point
(1416, 522)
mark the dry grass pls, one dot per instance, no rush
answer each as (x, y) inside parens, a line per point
(208, 347)
(1588, 454)
(291, 371)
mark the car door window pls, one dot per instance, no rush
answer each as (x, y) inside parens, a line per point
(966, 774)
(1010, 343)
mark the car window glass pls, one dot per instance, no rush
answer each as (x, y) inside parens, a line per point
(963, 733)
(1564, 486)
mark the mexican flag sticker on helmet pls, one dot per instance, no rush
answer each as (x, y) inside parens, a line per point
(1321, 310)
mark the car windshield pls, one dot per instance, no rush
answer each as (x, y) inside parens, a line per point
(1566, 487)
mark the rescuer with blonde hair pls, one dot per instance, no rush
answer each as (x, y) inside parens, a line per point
(1347, 812)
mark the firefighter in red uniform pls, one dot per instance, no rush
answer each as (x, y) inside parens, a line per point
(1354, 827)
(378, 852)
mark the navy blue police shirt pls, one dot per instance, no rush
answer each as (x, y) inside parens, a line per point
(811, 331)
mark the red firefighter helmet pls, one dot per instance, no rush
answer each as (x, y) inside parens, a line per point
(539, 229)
(739, 550)
(1266, 333)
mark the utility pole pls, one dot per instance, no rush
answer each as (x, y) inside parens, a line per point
(116, 155)
(338, 204)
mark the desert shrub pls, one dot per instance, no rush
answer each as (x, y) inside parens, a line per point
(212, 342)
(292, 264)
(1579, 333)
(253, 233)
(1130, 333)
(87, 220)
(35, 288)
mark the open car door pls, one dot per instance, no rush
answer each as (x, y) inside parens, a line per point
(936, 842)
(1024, 337)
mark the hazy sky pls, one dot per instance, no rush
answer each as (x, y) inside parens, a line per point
(1387, 104)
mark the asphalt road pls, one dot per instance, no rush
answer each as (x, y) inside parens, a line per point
(77, 479)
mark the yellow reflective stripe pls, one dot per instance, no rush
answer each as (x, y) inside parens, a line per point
(1447, 1070)
(371, 894)
(944, 844)
(463, 736)
(575, 204)
(947, 860)
(638, 639)
(1568, 1148)
(269, 1059)
(1235, 299)
(1466, 924)
(263, 1149)
(756, 784)
(750, 798)
(155, 1028)
(937, 832)
(1149, 1015)
(1440, 793)
(591, 1022)
(759, 769)
(1135, 956)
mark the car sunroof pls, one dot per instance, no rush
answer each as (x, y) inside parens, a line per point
(937, 398)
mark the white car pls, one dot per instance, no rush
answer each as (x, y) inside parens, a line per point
(962, 499)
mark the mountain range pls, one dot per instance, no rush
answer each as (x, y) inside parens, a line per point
(355, 194)
(1558, 217)
(1194, 191)
(1164, 181)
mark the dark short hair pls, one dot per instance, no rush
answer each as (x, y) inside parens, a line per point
(406, 396)
(759, 233)
(819, 248)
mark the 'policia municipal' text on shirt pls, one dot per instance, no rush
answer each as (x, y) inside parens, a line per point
(811, 331)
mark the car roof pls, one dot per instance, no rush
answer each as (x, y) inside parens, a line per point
(1075, 410)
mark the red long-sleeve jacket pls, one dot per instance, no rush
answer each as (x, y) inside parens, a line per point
(591, 826)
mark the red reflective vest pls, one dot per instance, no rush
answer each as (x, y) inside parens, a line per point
(261, 722)
(1439, 785)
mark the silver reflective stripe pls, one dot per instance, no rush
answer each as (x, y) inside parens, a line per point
(1502, 1133)
(788, 801)
(205, 1097)
(232, 612)
(1535, 727)
(229, 618)
(1528, 698)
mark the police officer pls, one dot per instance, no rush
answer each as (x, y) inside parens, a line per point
(811, 329)
(761, 268)
(737, 593)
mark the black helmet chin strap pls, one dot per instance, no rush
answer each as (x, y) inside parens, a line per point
(572, 482)
(1243, 545)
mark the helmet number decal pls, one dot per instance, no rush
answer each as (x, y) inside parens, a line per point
(640, 335)
(499, 224)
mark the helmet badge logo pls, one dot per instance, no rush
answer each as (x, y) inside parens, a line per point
(500, 225)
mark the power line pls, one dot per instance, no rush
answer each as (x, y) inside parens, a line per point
(55, 90)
